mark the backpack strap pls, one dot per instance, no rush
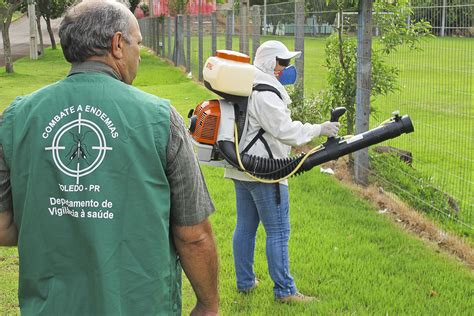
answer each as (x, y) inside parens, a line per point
(259, 136)
(267, 87)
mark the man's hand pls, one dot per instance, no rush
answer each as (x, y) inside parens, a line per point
(8, 230)
(197, 251)
(330, 129)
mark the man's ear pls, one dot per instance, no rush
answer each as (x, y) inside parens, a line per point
(117, 45)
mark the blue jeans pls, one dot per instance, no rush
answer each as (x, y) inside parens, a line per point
(257, 202)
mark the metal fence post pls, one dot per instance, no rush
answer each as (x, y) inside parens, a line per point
(228, 31)
(148, 27)
(214, 32)
(201, 42)
(160, 35)
(154, 35)
(180, 58)
(299, 45)
(157, 31)
(163, 36)
(188, 43)
(145, 27)
(169, 38)
(256, 29)
(443, 19)
(364, 65)
(244, 39)
(175, 42)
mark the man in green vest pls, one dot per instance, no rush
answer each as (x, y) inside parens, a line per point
(99, 185)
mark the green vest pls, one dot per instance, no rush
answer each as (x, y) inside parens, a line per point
(87, 157)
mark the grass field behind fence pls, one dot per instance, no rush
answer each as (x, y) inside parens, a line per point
(354, 259)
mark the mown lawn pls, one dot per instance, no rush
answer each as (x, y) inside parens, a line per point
(354, 259)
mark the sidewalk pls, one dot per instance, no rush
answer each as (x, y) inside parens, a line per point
(20, 38)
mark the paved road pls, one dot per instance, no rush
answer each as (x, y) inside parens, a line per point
(20, 37)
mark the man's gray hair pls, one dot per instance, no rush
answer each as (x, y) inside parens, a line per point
(88, 28)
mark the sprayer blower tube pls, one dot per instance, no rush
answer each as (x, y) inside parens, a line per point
(332, 149)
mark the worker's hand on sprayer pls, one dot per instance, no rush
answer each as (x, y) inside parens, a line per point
(330, 129)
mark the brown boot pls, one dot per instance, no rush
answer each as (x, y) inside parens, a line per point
(296, 298)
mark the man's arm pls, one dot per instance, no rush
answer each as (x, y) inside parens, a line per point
(197, 251)
(190, 207)
(8, 231)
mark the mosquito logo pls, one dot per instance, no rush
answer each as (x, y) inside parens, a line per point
(78, 148)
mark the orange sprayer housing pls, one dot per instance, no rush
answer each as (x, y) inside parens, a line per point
(208, 115)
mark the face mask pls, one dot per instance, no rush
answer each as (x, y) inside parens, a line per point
(288, 75)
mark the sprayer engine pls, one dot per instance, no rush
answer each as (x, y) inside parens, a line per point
(204, 122)
(212, 121)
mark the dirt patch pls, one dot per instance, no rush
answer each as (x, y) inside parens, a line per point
(405, 216)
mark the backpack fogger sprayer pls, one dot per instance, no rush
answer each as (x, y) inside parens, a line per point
(216, 126)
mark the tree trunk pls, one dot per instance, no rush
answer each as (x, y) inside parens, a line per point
(7, 51)
(40, 33)
(50, 31)
(6, 21)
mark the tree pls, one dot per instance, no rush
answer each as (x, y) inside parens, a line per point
(133, 5)
(178, 6)
(7, 8)
(341, 53)
(40, 31)
(144, 7)
(52, 9)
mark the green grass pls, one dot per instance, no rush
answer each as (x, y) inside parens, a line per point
(354, 259)
(436, 90)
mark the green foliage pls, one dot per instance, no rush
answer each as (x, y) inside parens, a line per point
(178, 6)
(53, 9)
(304, 109)
(7, 8)
(459, 16)
(392, 20)
(144, 7)
(134, 4)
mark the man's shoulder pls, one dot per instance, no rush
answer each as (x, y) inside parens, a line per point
(19, 100)
(148, 96)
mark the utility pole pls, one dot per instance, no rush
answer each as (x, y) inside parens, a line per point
(33, 30)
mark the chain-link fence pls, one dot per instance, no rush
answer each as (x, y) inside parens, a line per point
(436, 88)
(435, 82)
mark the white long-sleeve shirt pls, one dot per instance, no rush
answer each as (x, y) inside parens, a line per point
(266, 110)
